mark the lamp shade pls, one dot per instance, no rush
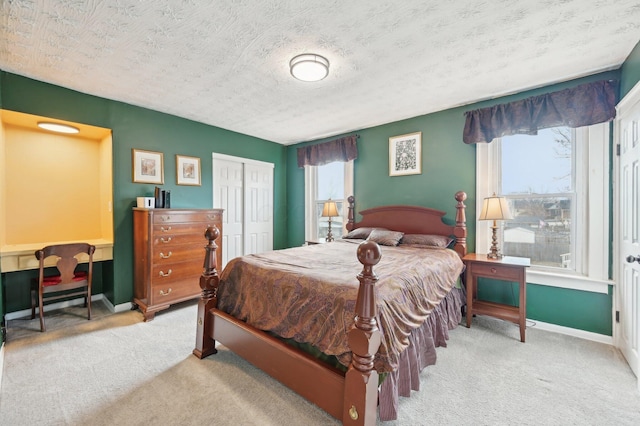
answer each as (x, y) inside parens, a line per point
(330, 209)
(309, 67)
(495, 208)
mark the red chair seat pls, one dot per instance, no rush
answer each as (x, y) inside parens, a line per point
(55, 279)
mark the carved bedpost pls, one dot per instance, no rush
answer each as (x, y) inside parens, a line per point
(361, 380)
(209, 281)
(350, 214)
(460, 230)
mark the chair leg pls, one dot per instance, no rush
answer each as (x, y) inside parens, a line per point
(41, 308)
(88, 299)
(33, 303)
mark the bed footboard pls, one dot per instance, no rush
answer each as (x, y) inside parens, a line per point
(358, 388)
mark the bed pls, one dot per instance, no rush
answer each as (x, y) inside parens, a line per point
(375, 325)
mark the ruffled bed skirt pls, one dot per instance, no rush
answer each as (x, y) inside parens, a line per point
(420, 353)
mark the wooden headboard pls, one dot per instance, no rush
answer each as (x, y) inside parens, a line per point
(414, 220)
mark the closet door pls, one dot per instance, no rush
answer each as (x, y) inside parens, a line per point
(228, 194)
(258, 208)
(244, 189)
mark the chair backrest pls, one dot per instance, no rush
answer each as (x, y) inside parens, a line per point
(67, 261)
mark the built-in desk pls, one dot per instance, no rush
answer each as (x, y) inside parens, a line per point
(21, 257)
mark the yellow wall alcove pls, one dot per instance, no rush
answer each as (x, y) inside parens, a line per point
(54, 188)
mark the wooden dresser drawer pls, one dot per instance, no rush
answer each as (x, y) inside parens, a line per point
(171, 240)
(185, 216)
(175, 272)
(195, 228)
(178, 253)
(490, 270)
(174, 291)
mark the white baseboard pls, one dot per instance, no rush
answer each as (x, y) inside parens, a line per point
(122, 307)
(587, 335)
(73, 302)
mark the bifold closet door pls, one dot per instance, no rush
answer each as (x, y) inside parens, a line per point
(258, 202)
(244, 189)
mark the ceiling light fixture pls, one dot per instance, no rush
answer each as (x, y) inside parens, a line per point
(58, 127)
(309, 67)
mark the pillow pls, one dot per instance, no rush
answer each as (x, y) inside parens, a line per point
(385, 237)
(427, 240)
(359, 233)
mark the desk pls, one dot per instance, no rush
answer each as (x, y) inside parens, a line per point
(504, 269)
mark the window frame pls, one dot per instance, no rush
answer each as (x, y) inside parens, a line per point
(592, 188)
(311, 198)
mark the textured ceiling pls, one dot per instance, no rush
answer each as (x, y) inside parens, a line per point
(225, 62)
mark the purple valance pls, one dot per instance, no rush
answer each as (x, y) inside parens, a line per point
(583, 105)
(343, 149)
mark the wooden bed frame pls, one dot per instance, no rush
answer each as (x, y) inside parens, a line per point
(351, 396)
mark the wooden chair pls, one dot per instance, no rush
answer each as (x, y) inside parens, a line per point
(59, 286)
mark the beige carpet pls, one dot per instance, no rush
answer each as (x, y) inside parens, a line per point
(118, 370)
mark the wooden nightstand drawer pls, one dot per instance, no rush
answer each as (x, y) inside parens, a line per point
(501, 271)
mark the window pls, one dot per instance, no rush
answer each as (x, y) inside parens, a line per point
(330, 181)
(557, 185)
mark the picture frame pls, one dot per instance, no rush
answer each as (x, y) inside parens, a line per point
(405, 154)
(148, 166)
(188, 170)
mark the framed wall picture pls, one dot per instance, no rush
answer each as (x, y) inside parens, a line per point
(148, 166)
(405, 154)
(187, 170)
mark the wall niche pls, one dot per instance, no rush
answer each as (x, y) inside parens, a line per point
(54, 188)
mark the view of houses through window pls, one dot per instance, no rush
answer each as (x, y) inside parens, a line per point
(538, 179)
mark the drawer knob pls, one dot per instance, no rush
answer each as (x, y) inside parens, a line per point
(162, 274)
(165, 256)
(211, 216)
(165, 218)
(165, 293)
(168, 240)
(494, 270)
(167, 229)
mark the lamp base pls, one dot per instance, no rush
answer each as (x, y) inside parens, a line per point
(494, 253)
(329, 237)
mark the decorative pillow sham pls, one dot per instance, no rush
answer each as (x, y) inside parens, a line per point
(427, 240)
(359, 233)
(385, 237)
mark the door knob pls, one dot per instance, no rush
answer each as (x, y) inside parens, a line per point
(632, 259)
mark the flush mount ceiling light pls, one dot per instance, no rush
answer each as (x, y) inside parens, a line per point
(309, 67)
(57, 127)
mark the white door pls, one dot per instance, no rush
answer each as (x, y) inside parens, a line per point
(228, 178)
(628, 263)
(244, 189)
(259, 208)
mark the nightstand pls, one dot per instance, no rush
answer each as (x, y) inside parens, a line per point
(507, 268)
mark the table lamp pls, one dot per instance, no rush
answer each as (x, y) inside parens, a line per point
(330, 209)
(495, 208)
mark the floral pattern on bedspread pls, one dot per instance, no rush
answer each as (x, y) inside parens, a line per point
(309, 293)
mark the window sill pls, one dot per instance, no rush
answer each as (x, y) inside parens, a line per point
(572, 282)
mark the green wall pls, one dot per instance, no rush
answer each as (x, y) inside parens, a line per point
(630, 71)
(135, 127)
(448, 165)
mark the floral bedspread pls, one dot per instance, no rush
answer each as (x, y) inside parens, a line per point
(309, 293)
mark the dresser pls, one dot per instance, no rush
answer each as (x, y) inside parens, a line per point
(168, 250)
